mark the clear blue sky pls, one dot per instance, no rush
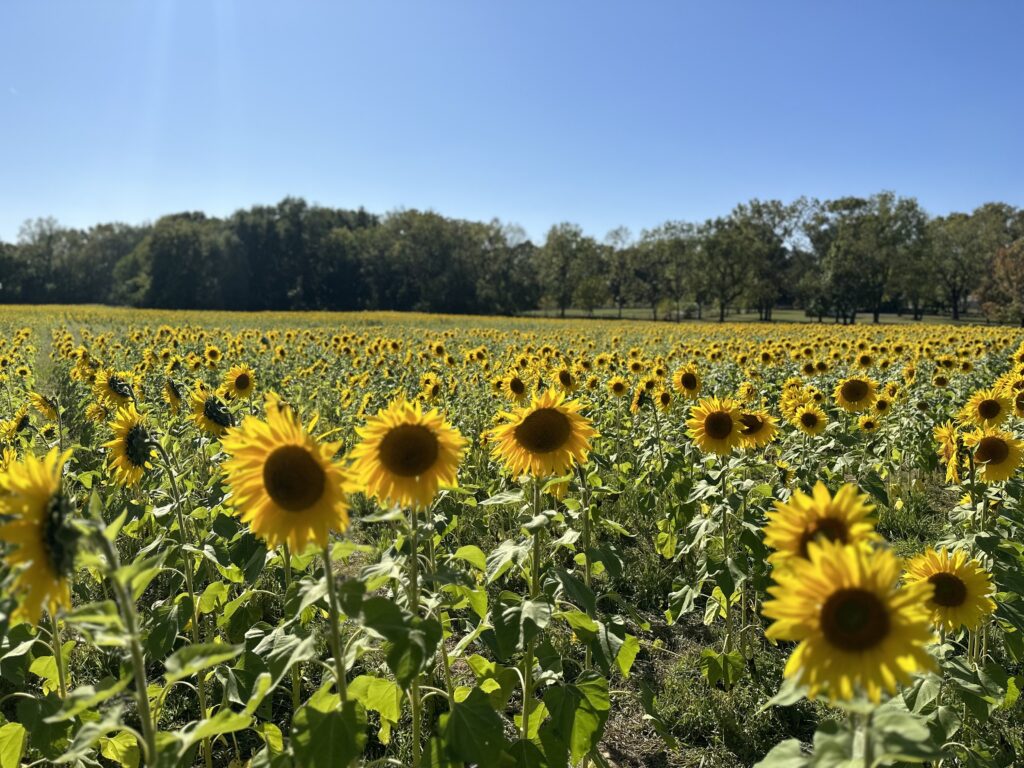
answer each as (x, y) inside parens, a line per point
(535, 112)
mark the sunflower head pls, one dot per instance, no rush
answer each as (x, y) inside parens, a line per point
(544, 438)
(406, 455)
(36, 511)
(209, 412)
(285, 483)
(847, 518)
(963, 588)
(986, 408)
(687, 382)
(715, 425)
(858, 632)
(856, 393)
(131, 450)
(810, 419)
(997, 454)
(757, 428)
(239, 382)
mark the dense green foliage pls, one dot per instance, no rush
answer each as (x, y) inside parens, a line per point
(830, 258)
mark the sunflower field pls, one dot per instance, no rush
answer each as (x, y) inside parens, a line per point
(337, 540)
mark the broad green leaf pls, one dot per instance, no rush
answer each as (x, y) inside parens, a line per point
(195, 658)
(473, 731)
(325, 735)
(12, 744)
(214, 596)
(473, 555)
(123, 749)
(381, 696)
(578, 714)
(87, 697)
(225, 721)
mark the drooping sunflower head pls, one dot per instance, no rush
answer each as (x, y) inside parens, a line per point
(997, 454)
(209, 412)
(131, 450)
(715, 425)
(986, 408)
(406, 455)
(858, 632)
(856, 393)
(44, 405)
(948, 438)
(114, 388)
(544, 438)
(662, 399)
(565, 380)
(173, 394)
(239, 382)
(846, 518)
(285, 484)
(36, 511)
(757, 428)
(963, 588)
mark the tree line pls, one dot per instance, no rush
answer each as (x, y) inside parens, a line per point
(832, 259)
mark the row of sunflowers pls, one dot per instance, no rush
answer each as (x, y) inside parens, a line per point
(383, 540)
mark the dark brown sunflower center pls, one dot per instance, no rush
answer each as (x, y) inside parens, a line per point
(120, 387)
(664, 398)
(564, 378)
(752, 423)
(408, 450)
(989, 409)
(136, 445)
(809, 419)
(618, 387)
(991, 450)
(293, 478)
(517, 386)
(718, 425)
(217, 412)
(60, 540)
(950, 591)
(543, 431)
(854, 390)
(688, 380)
(882, 405)
(829, 528)
(242, 381)
(854, 620)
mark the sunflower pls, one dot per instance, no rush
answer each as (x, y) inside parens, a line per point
(810, 419)
(793, 525)
(131, 450)
(962, 588)
(757, 428)
(35, 511)
(858, 632)
(46, 407)
(715, 425)
(856, 393)
(565, 380)
(618, 386)
(545, 438)
(405, 455)
(948, 438)
(996, 453)
(662, 399)
(687, 382)
(172, 394)
(114, 388)
(868, 423)
(284, 483)
(641, 399)
(514, 387)
(209, 412)
(986, 408)
(239, 382)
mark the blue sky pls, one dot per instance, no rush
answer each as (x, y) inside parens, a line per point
(599, 113)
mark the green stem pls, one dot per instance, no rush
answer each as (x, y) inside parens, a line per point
(534, 591)
(414, 607)
(725, 561)
(296, 681)
(58, 656)
(196, 635)
(587, 577)
(869, 747)
(442, 649)
(333, 621)
(131, 621)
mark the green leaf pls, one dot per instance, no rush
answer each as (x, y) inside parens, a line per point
(473, 555)
(473, 731)
(122, 748)
(381, 696)
(214, 596)
(785, 754)
(195, 658)
(725, 668)
(627, 654)
(578, 713)
(225, 721)
(12, 744)
(87, 697)
(325, 735)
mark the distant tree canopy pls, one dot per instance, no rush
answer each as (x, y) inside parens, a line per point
(833, 258)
